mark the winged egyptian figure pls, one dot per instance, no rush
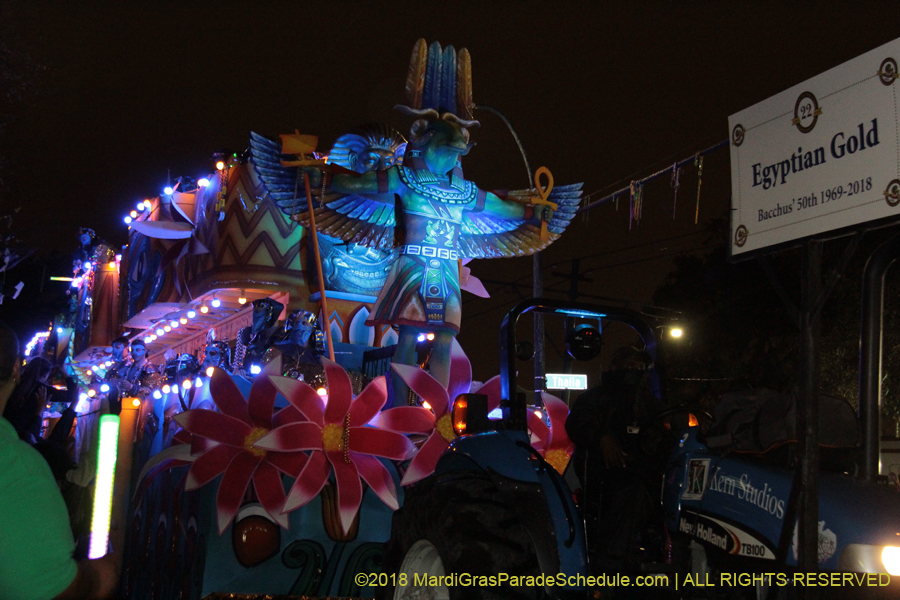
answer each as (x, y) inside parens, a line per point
(426, 212)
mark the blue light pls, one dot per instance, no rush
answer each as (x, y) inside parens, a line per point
(82, 397)
(255, 369)
(160, 331)
(203, 182)
(148, 339)
(191, 314)
(421, 337)
(497, 413)
(157, 394)
(127, 220)
(104, 388)
(59, 330)
(198, 382)
(168, 190)
(216, 303)
(141, 205)
(174, 389)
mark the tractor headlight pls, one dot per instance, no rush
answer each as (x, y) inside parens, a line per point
(869, 558)
(890, 557)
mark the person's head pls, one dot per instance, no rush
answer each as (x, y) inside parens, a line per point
(138, 349)
(216, 354)
(118, 347)
(265, 313)
(630, 358)
(9, 363)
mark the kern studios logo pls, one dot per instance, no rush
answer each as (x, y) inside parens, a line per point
(740, 236)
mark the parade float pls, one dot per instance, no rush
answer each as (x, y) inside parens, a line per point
(278, 339)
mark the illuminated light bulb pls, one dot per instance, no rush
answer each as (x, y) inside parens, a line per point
(108, 363)
(141, 205)
(103, 486)
(204, 309)
(322, 391)
(82, 397)
(59, 330)
(429, 337)
(134, 214)
(128, 220)
(135, 402)
(191, 314)
(118, 257)
(890, 557)
(210, 371)
(203, 182)
(88, 372)
(426, 405)
(676, 332)
(112, 264)
(216, 303)
(167, 328)
(186, 384)
(198, 382)
(183, 321)
(220, 165)
(243, 298)
(421, 337)
(157, 394)
(166, 389)
(148, 339)
(255, 369)
(174, 324)
(153, 337)
(174, 389)
(160, 331)
(91, 393)
(538, 414)
(168, 190)
(104, 388)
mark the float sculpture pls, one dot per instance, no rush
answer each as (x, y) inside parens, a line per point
(429, 214)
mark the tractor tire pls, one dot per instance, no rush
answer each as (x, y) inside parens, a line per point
(453, 525)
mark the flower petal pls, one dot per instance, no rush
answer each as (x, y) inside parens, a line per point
(405, 419)
(309, 483)
(460, 372)
(425, 461)
(289, 463)
(378, 442)
(270, 491)
(171, 457)
(208, 466)
(368, 403)
(340, 392)
(379, 479)
(262, 395)
(539, 429)
(233, 486)
(302, 397)
(349, 488)
(491, 389)
(425, 386)
(227, 396)
(215, 426)
(302, 435)
(558, 412)
(288, 414)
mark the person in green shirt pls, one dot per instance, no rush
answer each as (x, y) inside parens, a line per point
(35, 539)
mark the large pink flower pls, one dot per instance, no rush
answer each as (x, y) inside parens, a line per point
(440, 400)
(338, 440)
(227, 439)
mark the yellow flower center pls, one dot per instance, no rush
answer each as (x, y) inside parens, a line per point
(558, 459)
(444, 426)
(333, 437)
(254, 437)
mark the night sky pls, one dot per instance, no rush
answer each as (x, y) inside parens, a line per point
(128, 95)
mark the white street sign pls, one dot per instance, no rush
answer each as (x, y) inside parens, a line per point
(820, 156)
(566, 381)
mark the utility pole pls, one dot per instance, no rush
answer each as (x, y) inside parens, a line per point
(573, 278)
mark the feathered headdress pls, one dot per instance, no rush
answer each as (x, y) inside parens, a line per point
(439, 84)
